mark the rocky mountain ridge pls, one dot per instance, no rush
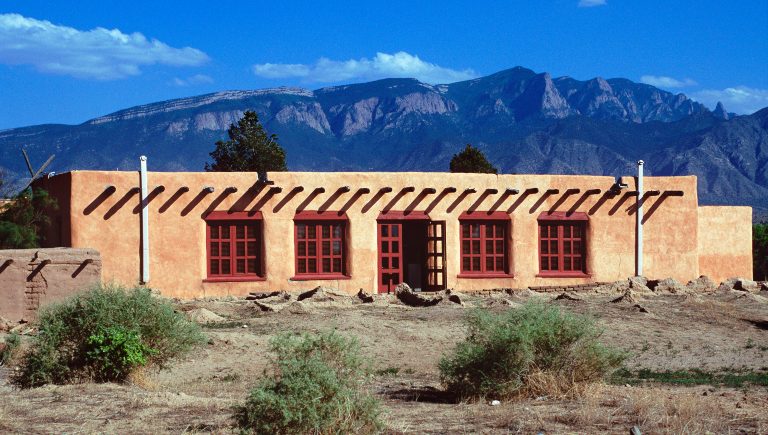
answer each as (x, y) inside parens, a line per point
(524, 121)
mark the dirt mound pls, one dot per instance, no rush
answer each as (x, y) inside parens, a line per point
(667, 285)
(627, 298)
(635, 283)
(203, 315)
(567, 297)
(702, 284)
(323, 294)
(267, 295)
(451, 295)
(411, 298)
(521, 294)
(274, 306)
(296, 307)
(364, 297)
(740, 284)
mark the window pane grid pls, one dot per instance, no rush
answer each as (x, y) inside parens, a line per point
(320, 248)
(483, 247)
(234, 249)
(561, 247)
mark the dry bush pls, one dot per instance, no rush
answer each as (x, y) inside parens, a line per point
(535, 350)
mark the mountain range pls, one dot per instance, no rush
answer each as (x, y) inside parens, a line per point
(525, 122)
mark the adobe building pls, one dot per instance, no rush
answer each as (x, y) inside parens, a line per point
(213, 234)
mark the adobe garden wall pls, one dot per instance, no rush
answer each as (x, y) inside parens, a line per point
(31, 278)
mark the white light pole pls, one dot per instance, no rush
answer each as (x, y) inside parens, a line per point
(144, 220)
(639, 230)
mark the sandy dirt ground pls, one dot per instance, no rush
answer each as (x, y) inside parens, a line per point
(717, 331)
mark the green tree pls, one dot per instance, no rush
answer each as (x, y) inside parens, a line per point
(760, 251)
(23, 218)
(249, 149)
(472, 160)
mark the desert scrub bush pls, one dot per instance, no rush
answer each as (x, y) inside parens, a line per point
(103, 335)
(316, 387)
(9, 349)
(536, 349)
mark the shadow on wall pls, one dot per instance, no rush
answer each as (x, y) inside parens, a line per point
(260, 194)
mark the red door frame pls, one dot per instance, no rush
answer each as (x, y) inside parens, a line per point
(390, 249)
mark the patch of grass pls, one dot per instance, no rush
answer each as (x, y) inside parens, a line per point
(750, 344)
(315, 387)
(223, 325)
(534, 350)
(104, 334)
(389, 371)
(691, 377)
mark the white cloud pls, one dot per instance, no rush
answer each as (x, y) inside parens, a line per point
(383, 65)
(592, 3)
(99, 53)
(739, 99)
(197, 79)
(667, 82)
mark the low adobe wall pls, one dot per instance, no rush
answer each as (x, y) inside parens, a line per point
(725, 242)
(30, 278)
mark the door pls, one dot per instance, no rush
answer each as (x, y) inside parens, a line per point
(390, 255)
(436, 267)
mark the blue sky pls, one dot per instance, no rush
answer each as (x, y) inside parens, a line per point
(67, 62)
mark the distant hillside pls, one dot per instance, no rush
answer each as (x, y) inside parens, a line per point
(526, 122)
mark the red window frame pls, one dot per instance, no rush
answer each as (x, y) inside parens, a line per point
(234, 247)
(484, 248)
(320, 249)
(562, 248)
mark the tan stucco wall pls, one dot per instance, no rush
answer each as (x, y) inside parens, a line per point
(32, 278)
(725, 242)
(177, 229)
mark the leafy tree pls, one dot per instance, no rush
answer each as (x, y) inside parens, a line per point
(249, 149)
(23, 218)
(760, 251)
(472, 160)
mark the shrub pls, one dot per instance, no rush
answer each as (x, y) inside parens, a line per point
(9, 349)
(534, 350)
(316, 388)
(115, 352)
(104, 334)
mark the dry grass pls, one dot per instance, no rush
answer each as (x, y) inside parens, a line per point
(682, 413)
(551, 385)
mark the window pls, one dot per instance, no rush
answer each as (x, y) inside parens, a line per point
(320, 249)
(234, 247)
(484, 247)
(562, 247)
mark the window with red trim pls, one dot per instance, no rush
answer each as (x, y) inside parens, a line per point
(562, 247)
(320, 248)
(483, 247)
(234, 249)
